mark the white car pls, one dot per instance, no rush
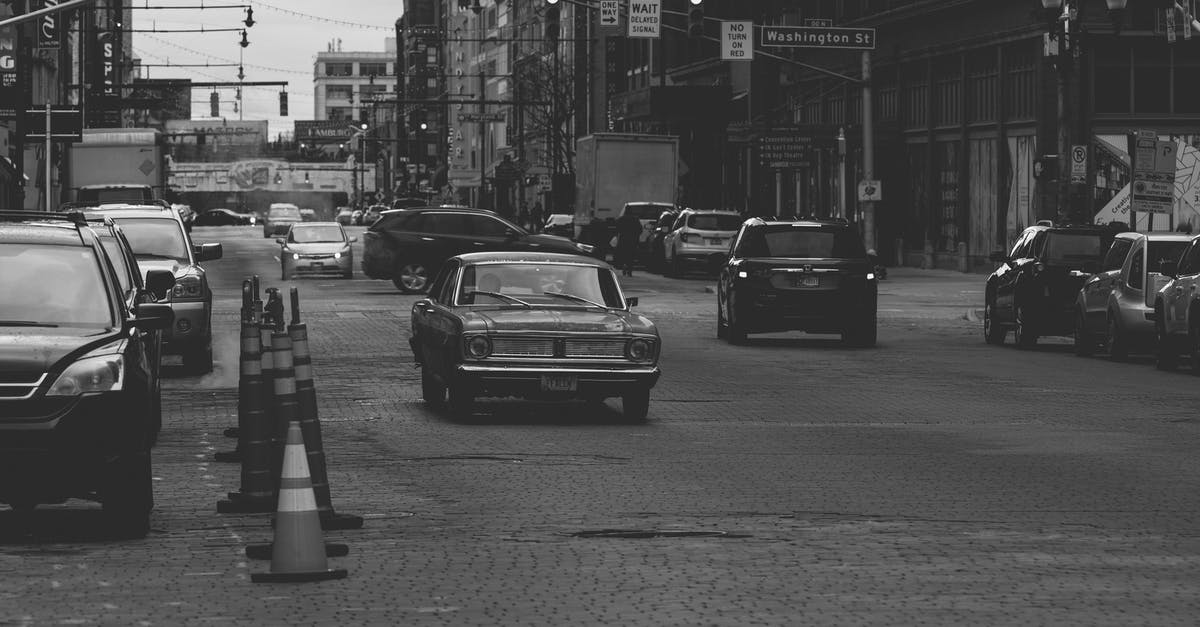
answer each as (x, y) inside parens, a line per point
(699, 238)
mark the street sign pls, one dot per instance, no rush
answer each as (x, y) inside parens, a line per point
(481, 117)
(870, 191)
(10, 89)
(1079, 164)
(610, 17)
(737, 41)
(785, 149)
(1153, 186)
(818, 21)
(645, 18)
(65, 125)
(818, 37)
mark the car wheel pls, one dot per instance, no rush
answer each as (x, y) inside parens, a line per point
(432, 390)
(1118, 347)
(460, 401)
(411, 277)
(128, 496)
(198, 359)
(1085, 344)
(993, 332)
(636, 404)
(1023, 336)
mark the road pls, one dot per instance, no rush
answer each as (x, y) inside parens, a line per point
(932, 479)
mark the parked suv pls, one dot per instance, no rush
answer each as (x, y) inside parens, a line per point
(159, 242)
(77, 382)
(409, 246)
(1177, 310)
(1116, 305)
(699, 237)
(1035, 288)
(806, 275)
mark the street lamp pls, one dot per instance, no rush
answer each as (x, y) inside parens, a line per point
(360, 169)
(1065, 24)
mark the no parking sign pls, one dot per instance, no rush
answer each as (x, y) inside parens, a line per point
(1079, 157)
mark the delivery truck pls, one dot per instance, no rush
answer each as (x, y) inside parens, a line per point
(612, 169)
(117, 157)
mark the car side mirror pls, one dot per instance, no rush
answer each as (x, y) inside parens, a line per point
(279, 240)
(159, 283)
(153, 316)
(207, 252)
(1091, 267)
(354, 238)
(998, 257)
(631, 302)
(1169, 268)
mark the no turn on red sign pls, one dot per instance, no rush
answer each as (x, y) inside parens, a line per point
(737, 41)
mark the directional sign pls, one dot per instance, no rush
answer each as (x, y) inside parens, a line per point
(645, 18)
(737, 41)
(610, 17)
(817, 37)
(481, 117)
(1079, 164)
(1153, 186)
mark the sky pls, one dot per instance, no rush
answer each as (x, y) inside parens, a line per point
(284, 42)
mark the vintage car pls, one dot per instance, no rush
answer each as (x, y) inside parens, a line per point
(532, 325)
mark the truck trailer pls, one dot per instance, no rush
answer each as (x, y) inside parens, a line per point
(124, 157)
(612, 169)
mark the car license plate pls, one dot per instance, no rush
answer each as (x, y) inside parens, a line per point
(560, 383)
(805, 281)
(318, 265)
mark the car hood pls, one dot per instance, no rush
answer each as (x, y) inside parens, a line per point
(173, 265)
(28, 350)
(317, 248)
(552, 243)
(558, 320)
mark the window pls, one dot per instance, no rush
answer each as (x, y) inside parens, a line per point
(947, 92)
(1189, 263)
(487, 227)
(372, 69)
(1072, 249)
(1152, 78)
(339, 69)
(1021, 248)
(1163, 251)
(443, 223)
(801, 242)
(981, 80)
(1114, 93)
(339, 92)
(339, 113)
(1115, 258)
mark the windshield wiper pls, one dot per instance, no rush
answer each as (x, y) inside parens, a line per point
(578, 299)
(26, 323)
(500, 296)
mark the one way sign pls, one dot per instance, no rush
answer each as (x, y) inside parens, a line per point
(610, 17)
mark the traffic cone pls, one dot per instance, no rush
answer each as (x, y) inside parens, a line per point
(310, 425)
(257, 434)
(248, 343)
(298, 553)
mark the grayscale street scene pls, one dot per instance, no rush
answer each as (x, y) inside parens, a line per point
(599, 312)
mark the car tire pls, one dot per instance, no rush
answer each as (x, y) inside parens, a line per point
(635, 405)
(460, 401)
(993, 333)
(1023, 336)
(1084, 342)
(198, 359)
(1118, 345)
(432, 390)
(127, 497)
(411, 277)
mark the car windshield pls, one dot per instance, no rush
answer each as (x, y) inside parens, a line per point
(1072, 249)
(285, 212)
(539, 284)
(715, 221)
(155, 237)
(801, 242)
(46, 285)
(117, 255)
(1163, 251)
(647, 211)
(316, 233)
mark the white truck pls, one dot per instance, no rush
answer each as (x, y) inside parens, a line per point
(612, 169)
(130, 158)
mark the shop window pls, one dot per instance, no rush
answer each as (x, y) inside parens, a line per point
(945, 209)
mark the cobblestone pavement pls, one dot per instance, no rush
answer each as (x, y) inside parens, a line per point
(932, 480)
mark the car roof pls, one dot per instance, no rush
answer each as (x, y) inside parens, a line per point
(530, 257)
(123, 210)
(37, 227)
(455, 208)
(806, 221)
(301, 225)
(721, 211)
(116, 186)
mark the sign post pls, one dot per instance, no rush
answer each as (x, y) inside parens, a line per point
(737, 41)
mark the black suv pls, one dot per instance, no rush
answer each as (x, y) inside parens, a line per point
(1035, 289)
(806, 275)
(77, 382)
(408, 246)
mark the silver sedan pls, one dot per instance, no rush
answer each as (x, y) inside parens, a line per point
(318, 248)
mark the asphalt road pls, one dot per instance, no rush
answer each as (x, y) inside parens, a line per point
(933, 479)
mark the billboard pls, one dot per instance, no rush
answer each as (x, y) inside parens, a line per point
(218, 133)
(323, 131)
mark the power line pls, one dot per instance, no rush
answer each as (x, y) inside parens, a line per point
(317, 18)
(209, 56)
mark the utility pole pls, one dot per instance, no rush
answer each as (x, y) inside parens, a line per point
(868, 206)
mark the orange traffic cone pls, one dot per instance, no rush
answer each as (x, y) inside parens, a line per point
(298, 552)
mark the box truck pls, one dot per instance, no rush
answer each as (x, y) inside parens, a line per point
(129, 158)
(612, 169)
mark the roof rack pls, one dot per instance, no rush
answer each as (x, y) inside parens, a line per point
(75, 217)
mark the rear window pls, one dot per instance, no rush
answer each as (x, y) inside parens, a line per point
(802, 243)
(714, 221)
(647, 211)
(285, 212)
(1072, 249)
(1163, 251)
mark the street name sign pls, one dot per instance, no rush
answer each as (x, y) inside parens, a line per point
(818, 37)
(737, 41)
(645, 18)
(783, 149)
(481, 117)
(610, 17)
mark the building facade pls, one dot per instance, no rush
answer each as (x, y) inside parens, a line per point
(345, 82)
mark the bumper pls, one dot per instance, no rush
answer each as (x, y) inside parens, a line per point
(323, 265)
(527, 381)
(190, 326)
(817, 312)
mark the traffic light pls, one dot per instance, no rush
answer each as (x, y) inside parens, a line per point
(283, 110)
(553, 27)
(214, 104)
(695, 28)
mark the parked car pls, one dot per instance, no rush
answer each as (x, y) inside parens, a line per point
(344, 216)
(281, 216)
(532, 325)
(647, 213)
(160, 243)
(699, 237)
(561, 224)
(1034, 290)
(77, 395)
(220, 216)
(804, 275)
(316, 248)
(372, 214)
(409, 246)
(1116, 306)
(1177, 310)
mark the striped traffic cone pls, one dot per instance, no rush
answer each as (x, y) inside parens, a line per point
(298, 552)
(257, 434)
(249, 344)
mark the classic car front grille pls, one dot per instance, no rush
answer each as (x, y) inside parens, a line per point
(522, 347)
(19, 385)
(594, 348)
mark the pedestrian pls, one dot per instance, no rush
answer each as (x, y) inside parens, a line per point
(629, 231)
(536, 218)
(523, 217)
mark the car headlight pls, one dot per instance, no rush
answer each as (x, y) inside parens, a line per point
(99, 373)
(479, 346)
(188, 287)
(639, 349)
(337, 255)
(585, 248)
(295, 255)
